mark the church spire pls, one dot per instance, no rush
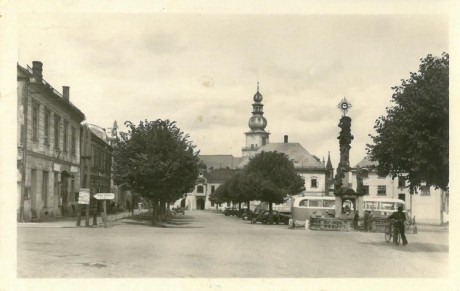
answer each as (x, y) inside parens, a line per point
(329, 164)
(256, 137)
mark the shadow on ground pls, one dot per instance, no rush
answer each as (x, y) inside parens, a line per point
(415, 247)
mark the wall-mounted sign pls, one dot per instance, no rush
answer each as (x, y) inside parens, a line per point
(57, 167)
(73, 169)
(83, 196)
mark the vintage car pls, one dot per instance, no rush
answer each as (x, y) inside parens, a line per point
(277, 217)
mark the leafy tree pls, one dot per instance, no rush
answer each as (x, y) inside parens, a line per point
(271, 176)
(157, 160)
(413, 137)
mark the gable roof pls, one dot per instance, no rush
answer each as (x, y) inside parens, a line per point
(218, 161)
(295, 151)
(220, 175)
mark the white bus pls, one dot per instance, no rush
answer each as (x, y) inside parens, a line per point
(304, 207)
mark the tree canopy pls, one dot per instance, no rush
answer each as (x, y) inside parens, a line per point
(272, 176)
(155, 159)
(413, 138)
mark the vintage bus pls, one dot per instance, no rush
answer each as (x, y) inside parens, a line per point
(304, 207)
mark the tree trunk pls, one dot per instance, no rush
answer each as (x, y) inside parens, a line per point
(239, 206)
(132, 203)
(270, 213)
(162, 210)
(154, 211)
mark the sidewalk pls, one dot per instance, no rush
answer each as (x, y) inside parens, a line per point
(70, 222)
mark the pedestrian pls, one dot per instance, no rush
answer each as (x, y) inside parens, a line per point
(400, 218)
(371, 220)
(355, 220)
(366, 220)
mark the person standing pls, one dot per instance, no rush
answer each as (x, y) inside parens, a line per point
(371, 220)
(400, 218)
(355, 220)
(366, 221)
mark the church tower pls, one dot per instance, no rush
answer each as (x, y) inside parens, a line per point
(257, 136)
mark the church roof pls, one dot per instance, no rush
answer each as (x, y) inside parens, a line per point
(295, 151)
(220, 175)
(219, 161)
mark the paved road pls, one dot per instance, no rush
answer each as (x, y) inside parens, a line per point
(211, 245)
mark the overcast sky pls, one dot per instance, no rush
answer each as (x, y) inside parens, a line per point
(202, 70)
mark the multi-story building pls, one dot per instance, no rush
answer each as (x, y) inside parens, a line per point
(427, 204)
(48, 146)
(101, 161)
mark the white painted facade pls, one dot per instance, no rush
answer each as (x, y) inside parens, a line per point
(426, 205)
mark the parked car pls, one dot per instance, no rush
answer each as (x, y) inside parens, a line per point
(230, 211)
(250, 214)
(242, 212)
(277, 217)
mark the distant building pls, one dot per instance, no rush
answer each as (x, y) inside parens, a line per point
(48, 147)
(307, 166)
(427, 204)
(216, 169)
(101, 161)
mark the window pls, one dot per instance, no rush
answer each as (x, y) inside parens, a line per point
(93, 156)
(46, 139)
(303, 203)
(329, 203)
(315, 203)
(35, 111)
(66, 128)
(213, 188)
(401, 182)
(74, 140)
(381, 190)
(387, 206)
(45, 189)
(57, 119)
(314, 183)
(371, 205)
(200, 189)
(366, 189)
(425, 191)
(264, 141)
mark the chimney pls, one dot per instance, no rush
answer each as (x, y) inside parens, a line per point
(65, 92)
(37, 69)
(285, 139)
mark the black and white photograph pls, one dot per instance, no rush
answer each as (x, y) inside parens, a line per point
(228, 148)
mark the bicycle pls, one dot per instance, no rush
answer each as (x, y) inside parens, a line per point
(392, 232)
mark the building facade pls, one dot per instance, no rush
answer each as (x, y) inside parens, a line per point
(427, 204)
(48, 147)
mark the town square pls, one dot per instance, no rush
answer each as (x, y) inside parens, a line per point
(230, 146)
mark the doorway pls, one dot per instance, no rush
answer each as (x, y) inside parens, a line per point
(64, 192)
(200, 204)
(402, 196)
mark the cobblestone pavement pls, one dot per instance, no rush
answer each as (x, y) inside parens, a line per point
(203, 244)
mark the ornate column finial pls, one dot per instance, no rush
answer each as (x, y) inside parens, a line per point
(344, 106)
